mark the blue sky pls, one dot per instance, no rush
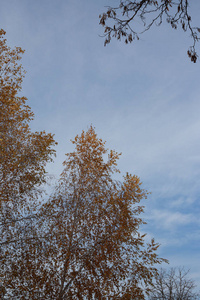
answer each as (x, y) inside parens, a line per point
(142, 98)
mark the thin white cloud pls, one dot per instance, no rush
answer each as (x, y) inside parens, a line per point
(170, 220)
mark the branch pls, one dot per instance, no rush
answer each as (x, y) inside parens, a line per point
(121, 20)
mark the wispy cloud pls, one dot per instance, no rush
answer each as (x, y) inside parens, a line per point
(171, 220)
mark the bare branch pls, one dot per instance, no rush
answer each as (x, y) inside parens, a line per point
(120, 22)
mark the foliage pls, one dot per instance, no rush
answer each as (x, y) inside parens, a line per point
(118, 21)
(23, 156)
(95, 250)
(174, 285)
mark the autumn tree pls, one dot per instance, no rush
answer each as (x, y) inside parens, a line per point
(174, 285)
(23, 156)
(118, 20)
(94, 248)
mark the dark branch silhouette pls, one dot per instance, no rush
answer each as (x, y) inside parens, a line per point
(174, 284)
(119, 21)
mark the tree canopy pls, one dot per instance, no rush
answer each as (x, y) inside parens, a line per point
(23, 156)
(95, 249)
(118, 20)
(23, 153)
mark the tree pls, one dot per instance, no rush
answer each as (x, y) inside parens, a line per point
(118, 21)
(94, 248)
(174, 285)
(23, 156)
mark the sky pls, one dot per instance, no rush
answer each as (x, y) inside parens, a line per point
(143, 99)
